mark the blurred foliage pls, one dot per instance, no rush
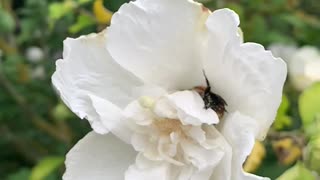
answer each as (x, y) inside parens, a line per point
(256, 157)
(287, 150)
(37, 130)
(45, 167)
(309, 108)
(297, 172)
(283, 120)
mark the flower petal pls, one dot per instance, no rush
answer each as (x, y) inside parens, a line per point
(98, 157)
(215, 138)
(222, 28)
(138, 114)
(145, 169)
(201, 157)
(245, 75)
(249, 78)
(87, 69)
(161, 40)
(191, 109)
(192, 173)
(112, 117)
(239, 130)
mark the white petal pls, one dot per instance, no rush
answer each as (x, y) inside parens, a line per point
(239, 130)
(249, 78)
(163, 108)
(98, 157)
(192, 173)
(196, 133)
(214, 139)
(87, 69)
(161, 40)
(138, 114)
(112, 118)
(224, 169)
(246, 76)
(191, 108)
(140, 142)
(201, 157)
(145, 169)
(149, 90)
(222, 28)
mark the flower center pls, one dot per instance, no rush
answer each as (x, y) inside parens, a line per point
(164, 131)
(167, 126)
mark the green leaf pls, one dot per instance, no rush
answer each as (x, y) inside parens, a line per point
(309, 105)
(45, 167)
(297, 172)
(83, 21)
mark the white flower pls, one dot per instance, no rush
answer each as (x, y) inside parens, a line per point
(140, 85)
(34, 54)
(303, 63)
(304, 67)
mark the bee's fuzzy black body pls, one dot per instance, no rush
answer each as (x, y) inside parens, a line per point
(213, 101)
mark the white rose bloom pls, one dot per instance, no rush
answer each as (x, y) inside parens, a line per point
(304, 67)
(141, 86)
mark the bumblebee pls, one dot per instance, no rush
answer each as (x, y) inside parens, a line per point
(211, 100)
